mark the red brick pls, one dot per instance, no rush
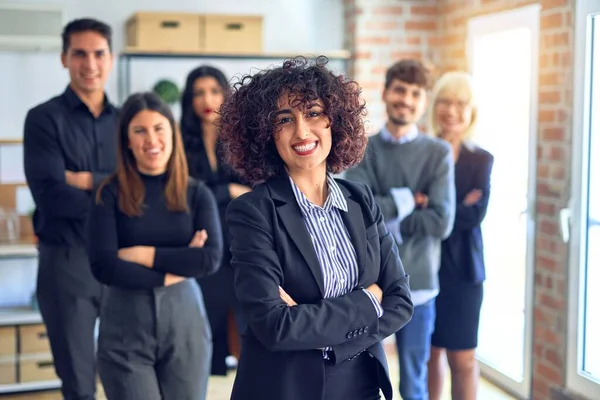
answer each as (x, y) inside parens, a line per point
(549, 97)
(399, 55)
(424, 10)
(373, 40)
(547, 227)
(549, 79)
(558, 172)
(413, 40)
(395, 10)
(546, 335)
(554, 20)
(543, 171)
(420, 25)
(550, 4)
(552, 134)
(362, 55)
(547, 115)
(551, 302)
(546, 264)
(551, 373)
(557, 153)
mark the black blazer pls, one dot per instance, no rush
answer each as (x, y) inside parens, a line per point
(462, 251)
(271, 247)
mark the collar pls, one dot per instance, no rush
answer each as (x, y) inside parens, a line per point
(74, 101)
(409, 137)
(335, 198)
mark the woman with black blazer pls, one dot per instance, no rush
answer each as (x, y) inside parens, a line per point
(316, 272)
(462, 270)
(151, 232)
(204, 92)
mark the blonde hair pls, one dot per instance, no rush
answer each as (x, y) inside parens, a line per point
(460, 83)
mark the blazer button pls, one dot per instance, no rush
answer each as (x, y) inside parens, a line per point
(361, 331)
(349, 335)
(355, 333)
(366, 329)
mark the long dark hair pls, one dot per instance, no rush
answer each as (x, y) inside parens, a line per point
(191, 128)
(131, 187)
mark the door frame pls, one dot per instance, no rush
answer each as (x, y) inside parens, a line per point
(527, 16)
(576, 379)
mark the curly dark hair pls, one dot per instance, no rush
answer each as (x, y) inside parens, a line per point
(247, 127)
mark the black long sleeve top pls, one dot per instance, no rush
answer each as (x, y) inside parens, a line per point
(62, 134)
(169, 232)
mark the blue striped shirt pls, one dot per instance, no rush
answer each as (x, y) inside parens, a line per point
(331, 240)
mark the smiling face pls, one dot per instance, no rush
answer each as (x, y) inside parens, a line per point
(88, 60)
(151, 141)
(404, 102)
(208, 97)
(453, 114)
(302, 136)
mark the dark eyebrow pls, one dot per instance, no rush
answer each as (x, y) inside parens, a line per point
(284, 111)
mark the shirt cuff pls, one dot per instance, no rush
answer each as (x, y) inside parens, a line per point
(404, 200)
(376, 304)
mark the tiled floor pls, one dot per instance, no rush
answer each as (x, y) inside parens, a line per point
(220, 388)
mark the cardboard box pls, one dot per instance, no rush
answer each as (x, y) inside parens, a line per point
(37, 369)
(8, 341)
(159, 31)
(233, 34)
(8, 371)
(33, 339)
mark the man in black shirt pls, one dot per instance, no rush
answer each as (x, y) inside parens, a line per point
(69, 147)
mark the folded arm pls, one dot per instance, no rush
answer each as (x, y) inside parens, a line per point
(470, 216)
(44, 166)
(396, 303)
(258, 276)
(437, 218)
(103, 247)
(196, 262)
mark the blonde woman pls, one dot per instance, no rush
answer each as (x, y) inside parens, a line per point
(462, 270)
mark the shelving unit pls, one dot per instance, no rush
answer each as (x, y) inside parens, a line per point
(129, 54)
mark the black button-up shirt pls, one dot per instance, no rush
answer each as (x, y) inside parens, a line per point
(62, 134)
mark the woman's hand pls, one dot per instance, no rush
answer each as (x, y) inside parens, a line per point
(286, 297)
(421, 200)
(171, 279)
(199, 239)
(376, 290)
(472, 197)
(143, 255)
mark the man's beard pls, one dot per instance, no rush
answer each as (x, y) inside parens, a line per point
(397, 121)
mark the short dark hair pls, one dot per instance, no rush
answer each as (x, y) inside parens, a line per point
(247, 127)
(84, 25)
(131, 188)
(413, 72)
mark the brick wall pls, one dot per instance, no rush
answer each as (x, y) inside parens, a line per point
(380, 32)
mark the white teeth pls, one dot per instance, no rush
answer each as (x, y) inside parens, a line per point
(153, 151)
(306, 147)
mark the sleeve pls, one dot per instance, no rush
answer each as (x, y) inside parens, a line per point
(375, 302)
(221, 193)
(196, 262)
(365, 172)
(44, 166)
(468, 217)
(103, 247)
(394, 282)
(98, 178)
(257, 277)
(437, 218)
(405, 204)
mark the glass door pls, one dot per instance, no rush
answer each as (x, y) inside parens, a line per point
(503, 54)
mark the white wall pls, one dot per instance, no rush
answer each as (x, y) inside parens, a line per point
(27, 78)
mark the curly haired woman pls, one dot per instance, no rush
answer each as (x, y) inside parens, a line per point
(316, 272)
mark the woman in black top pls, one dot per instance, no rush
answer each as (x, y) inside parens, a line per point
(204, 93)
(150, 229)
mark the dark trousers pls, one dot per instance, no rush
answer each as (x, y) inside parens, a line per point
(219, 297)
(154, 344)
(69, 299)
(356, 379)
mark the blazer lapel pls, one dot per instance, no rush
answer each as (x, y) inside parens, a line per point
(357, 230)
(292, 219)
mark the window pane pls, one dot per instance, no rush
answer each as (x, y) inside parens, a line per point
(591, 267)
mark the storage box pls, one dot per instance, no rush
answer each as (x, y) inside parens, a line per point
(159, 31)
(37, 369)
(233, 33)
(33, 339)
(8, 341)
(8, 370)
